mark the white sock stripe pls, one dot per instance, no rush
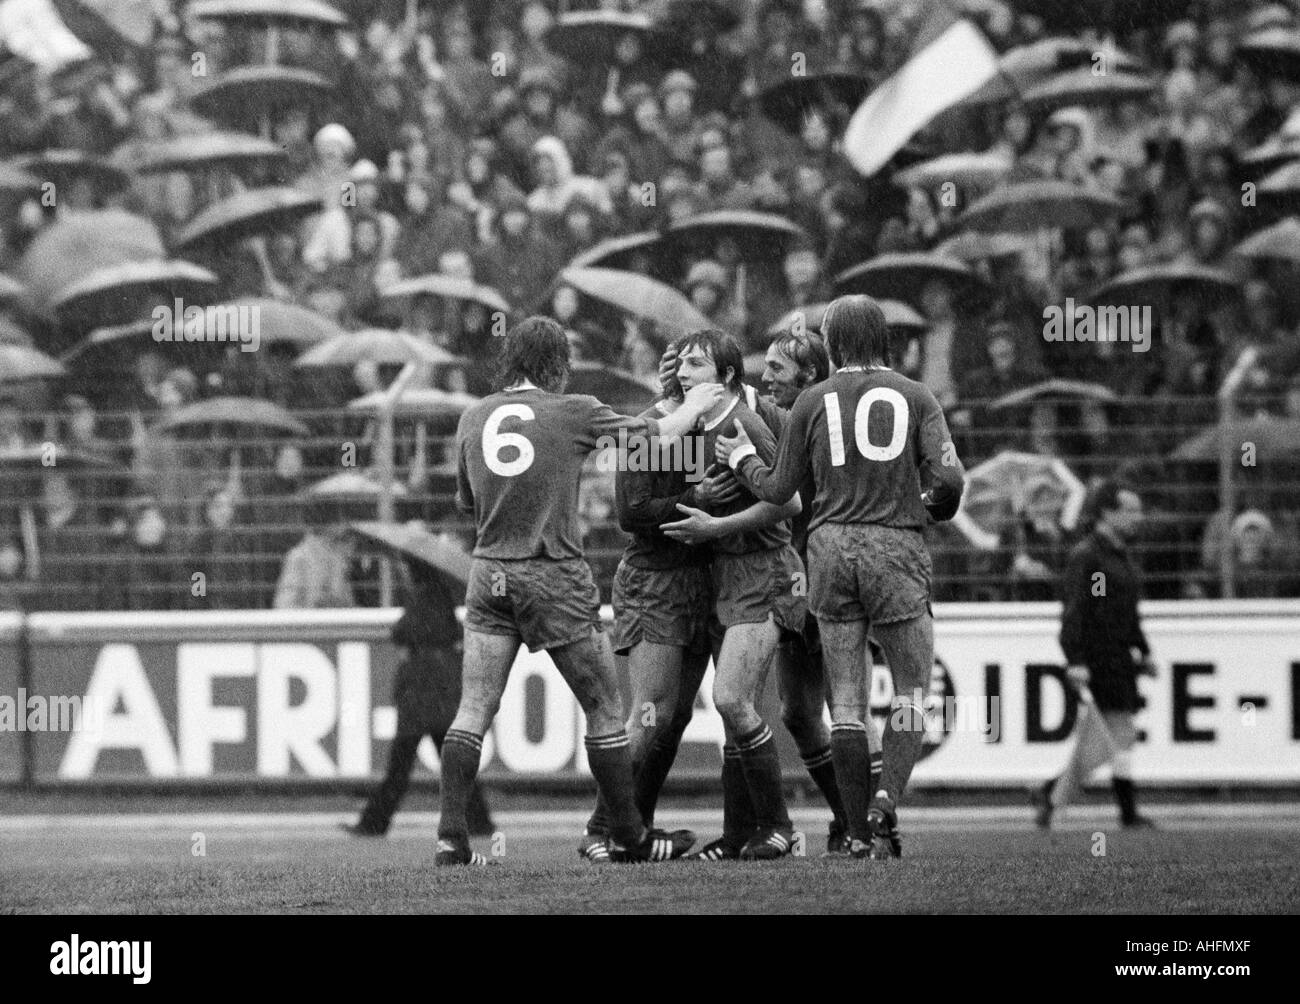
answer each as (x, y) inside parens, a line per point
(849, 727)
(757, 741)
(606, 742)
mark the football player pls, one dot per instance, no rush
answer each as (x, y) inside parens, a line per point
(520, 453)
(796, 360)
(663, 600)
(882, 462)
(757, 587)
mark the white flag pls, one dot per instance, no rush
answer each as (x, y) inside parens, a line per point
(952, 67)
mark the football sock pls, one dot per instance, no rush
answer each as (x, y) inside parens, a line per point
(762, 772)
(649, 779)
(460, 756)
(821, 767)
(852, 754)
(599, 821)
(610, 757)
(737, 809)
(904, 734)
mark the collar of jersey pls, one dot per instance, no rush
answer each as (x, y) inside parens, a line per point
(522, 385)
(862, 369)
(710, 426)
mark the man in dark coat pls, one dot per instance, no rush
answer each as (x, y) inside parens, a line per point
(426, 692)
(1101, 636)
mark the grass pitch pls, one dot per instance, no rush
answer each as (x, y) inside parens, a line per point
(1215, 861)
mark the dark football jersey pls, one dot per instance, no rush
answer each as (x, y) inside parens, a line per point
(763, 439)
(645, 499)
(519, 462)
(873, 441)
(776, 418)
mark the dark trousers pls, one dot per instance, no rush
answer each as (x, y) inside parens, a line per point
(384, 801)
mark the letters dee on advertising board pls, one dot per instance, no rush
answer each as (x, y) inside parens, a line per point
(307, 695)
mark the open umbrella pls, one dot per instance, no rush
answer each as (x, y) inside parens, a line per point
(247, 214)
(758, 236)
(995, 492)
(590, 37)
(236, 412)
(378, 345)
(1274, 438)
(20, 362)
(1050, 390)
(117, 293)
(11, 334)
(966, 170)
(352, 486)
(786, 101)
(14, 178)
(639, 296)
(130, 338)
(1176, 279)
(972, 245)
(613, 386)
(897, 315)
(1282, 181)
(289, 324)
(197, 153)
(1098, 15)
(426, 403)
(1280, 242)
(902, 276)
(1083, 87)
(107, 25)
(250, 95)
(79, 243)
(1282, 146)
(680, 16)
(64, 167)
(1026, 65)
(281, 12)
(618, 252)
(1038, 205)
(413, 541)
(446, 287)
(1273, 52)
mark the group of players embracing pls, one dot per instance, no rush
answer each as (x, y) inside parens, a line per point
(797, 535)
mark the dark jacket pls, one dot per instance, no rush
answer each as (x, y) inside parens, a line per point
(426, 690)
(1099, 622)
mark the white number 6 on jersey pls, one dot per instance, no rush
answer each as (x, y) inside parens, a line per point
(494, 441)
(861, 435)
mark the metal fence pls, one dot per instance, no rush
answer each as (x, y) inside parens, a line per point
(205, 523)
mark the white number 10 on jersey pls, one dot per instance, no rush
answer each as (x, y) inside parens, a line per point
(835, 427)
(494, 441)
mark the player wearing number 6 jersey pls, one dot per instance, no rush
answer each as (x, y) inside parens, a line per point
(520, 453)
(875, 442)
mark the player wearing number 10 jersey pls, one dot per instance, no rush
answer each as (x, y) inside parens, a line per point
(875, 443)
(520, 453)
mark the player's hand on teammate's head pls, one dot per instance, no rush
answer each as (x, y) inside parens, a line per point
(728, 443)
(703, 396)
(696, 528)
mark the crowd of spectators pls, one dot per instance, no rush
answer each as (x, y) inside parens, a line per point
(459, 143)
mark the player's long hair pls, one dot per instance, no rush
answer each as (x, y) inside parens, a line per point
(537, 350)
(807, 350)
(856, 332)
(723, 350)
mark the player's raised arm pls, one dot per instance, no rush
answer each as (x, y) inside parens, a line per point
(604, 422)
(779, 483)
